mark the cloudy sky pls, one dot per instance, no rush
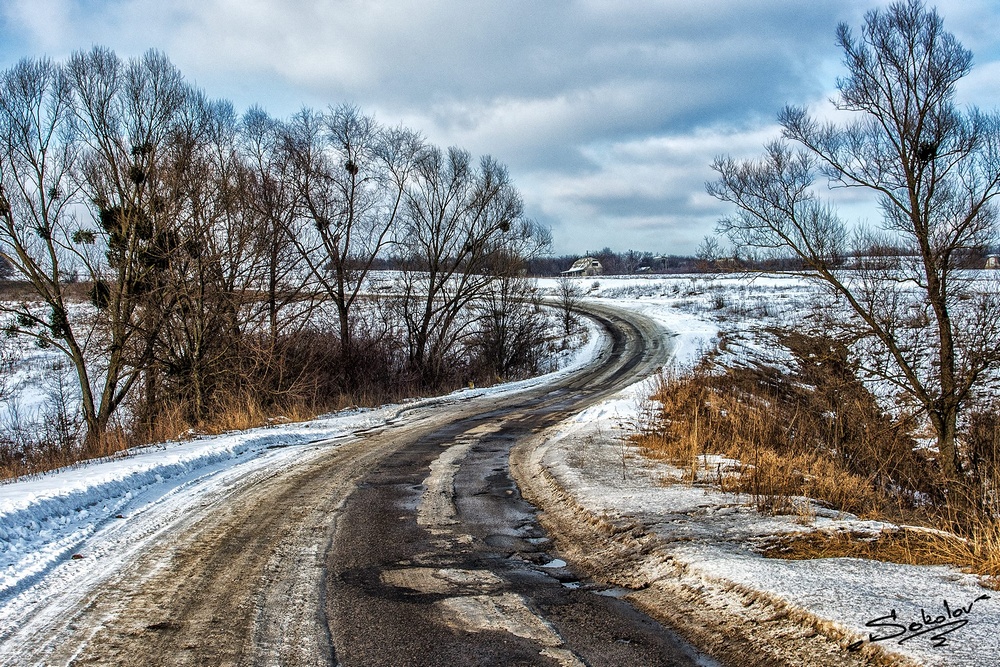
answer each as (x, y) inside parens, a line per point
(607, 112)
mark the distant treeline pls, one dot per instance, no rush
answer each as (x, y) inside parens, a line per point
(632, 262)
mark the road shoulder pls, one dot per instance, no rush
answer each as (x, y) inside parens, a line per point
(563, 470)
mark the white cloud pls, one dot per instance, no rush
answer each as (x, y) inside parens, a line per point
(608, 114)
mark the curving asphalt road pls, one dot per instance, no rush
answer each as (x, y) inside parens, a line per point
(410, 545)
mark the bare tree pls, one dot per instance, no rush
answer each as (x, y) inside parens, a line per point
(90, 133)
(350, 175)
(511, 326)
(128, 116)
(267, 192)
(37, 192)
(568, 295)
(709, 252)
(934, 170)
(215, 272)
(464, 224)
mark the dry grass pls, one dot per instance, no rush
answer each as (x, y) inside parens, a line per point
(982, 549)
(773, 480)
(43, 455)
(900, 545)
(979, 554)
(233, 414)
(113, 442)
(817, 433)
(25, 459)
(789, 441)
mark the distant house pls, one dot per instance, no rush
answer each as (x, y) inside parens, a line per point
(587, 266)
(993, 262)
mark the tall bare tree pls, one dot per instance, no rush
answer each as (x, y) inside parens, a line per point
(37, 192)
(351, 174)
(464, 224)
(268, 195)
(127, 118)
(89, 137)
(934, 170)
(214, 272)
(510, 333)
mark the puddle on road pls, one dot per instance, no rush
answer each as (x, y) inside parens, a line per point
(616, 592)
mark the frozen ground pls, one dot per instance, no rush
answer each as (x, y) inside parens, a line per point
(116, 506)
(942, 616)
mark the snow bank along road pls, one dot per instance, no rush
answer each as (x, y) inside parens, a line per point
(406, 544)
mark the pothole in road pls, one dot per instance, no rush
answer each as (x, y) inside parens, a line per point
(509, 613)
(165, 626)
(442, 581)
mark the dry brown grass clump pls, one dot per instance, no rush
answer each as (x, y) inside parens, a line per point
(982, 550)
(979, 554)
(173, 423)
(897, 545)
(18, 459)
(773, 480)
(818, 433)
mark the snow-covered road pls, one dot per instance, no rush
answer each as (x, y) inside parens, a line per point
(67, 536)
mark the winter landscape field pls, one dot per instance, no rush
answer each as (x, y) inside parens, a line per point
(63, 532)
(307, 357)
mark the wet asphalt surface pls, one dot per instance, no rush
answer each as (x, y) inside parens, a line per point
(478, 582)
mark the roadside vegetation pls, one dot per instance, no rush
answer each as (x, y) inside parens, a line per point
(888, 408)
(798, 434)
(182, 267)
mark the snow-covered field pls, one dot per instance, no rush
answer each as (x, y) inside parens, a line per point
(932, 615)
(116, 506)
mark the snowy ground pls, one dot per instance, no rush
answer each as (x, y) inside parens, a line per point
(942, 616)
(44, 521)
(112, 508)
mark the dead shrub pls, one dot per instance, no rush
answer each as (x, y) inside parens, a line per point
(297, 376)
(981, 441)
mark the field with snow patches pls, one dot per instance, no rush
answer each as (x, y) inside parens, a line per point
(713, 533)
(47, 519)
